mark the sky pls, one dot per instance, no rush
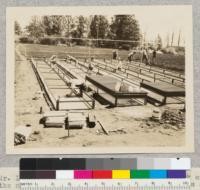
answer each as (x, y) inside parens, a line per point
(163, 23)
(153, 20)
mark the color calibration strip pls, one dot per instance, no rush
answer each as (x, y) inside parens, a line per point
(80, 168)
(104, 174)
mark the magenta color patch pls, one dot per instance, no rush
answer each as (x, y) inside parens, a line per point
(82, 174)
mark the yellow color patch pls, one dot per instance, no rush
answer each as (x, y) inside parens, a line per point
(121, 174)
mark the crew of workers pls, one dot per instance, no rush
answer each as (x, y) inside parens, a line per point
(146, 57)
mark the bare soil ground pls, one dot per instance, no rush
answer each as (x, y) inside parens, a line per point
(128, 126)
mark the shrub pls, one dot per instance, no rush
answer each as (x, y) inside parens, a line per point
(125, 47)
(48, 41)
(52, 41)
(61, 41)
(169, 50)
(26, 40)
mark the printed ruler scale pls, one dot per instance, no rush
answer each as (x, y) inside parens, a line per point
(107, 185)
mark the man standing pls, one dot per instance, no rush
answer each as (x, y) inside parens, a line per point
(145, 58)
(115, 55)
(90, 66)
(154, 57)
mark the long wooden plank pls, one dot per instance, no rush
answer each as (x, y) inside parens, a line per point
(43, 84)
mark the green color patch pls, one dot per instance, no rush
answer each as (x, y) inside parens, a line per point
(140, 174)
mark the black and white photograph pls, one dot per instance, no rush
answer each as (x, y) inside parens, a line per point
(113, 79)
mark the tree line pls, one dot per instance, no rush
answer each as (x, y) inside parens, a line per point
(121, 30)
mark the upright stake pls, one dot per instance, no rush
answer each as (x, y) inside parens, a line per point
(67, 125)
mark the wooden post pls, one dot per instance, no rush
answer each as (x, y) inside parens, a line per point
(41, 110)
(93, 104)
(154, 76)
(115, 101)
(81, 87)
(67, 125)
(145, 100)
(57, 103)
(164, 100)
(98, 71)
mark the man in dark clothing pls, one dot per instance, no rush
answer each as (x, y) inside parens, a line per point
(115, 55)
(130, 56)
(154, 57)
(145, 58)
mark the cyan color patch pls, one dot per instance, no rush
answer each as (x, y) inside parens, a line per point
(158, 174)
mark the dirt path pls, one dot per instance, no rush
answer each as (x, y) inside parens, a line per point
(28, 99)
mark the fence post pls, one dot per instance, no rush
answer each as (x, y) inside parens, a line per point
(93, 104)
(57, 103)
(154, 76)
(67, 124)
(98, 71)
(41, 110)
